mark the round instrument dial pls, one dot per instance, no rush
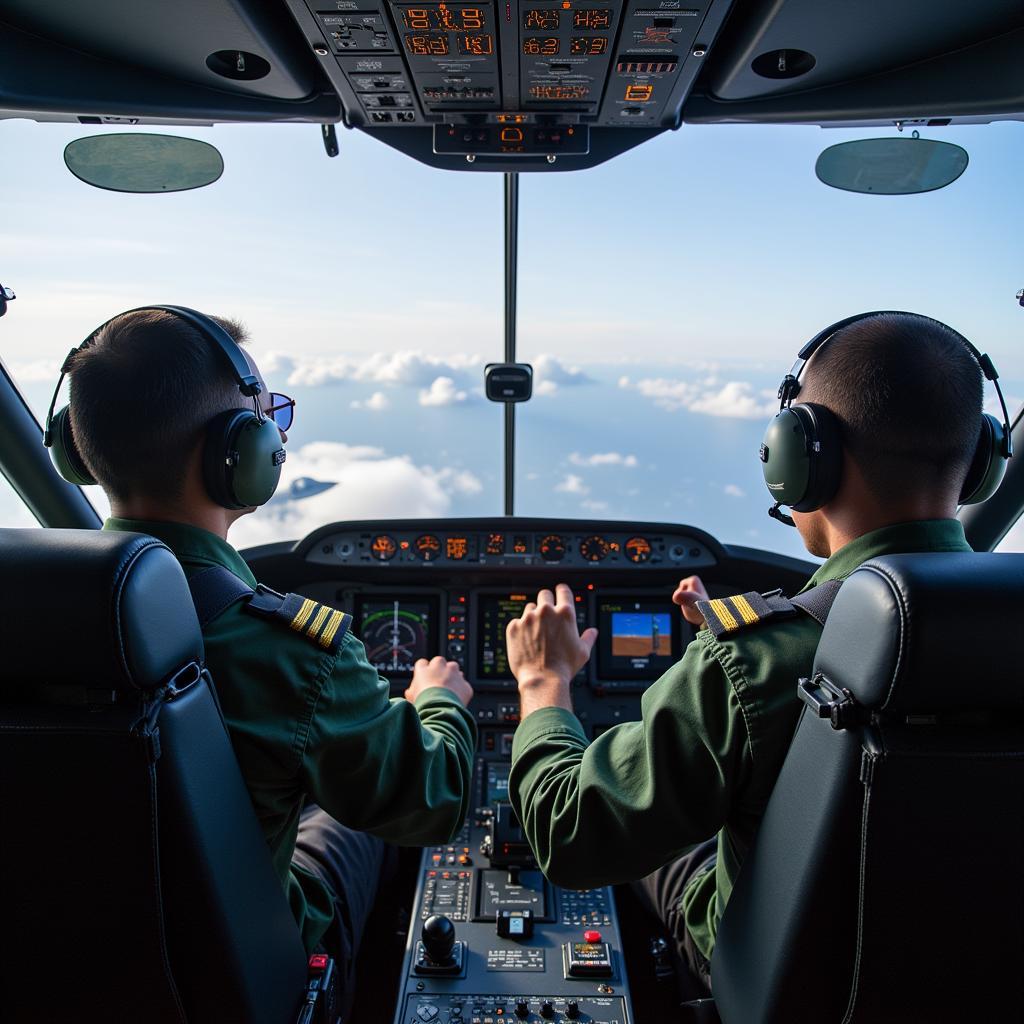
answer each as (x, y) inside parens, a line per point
(428, 547)
(638, 549)
(552, 548)
(594, 549)
(383, 548)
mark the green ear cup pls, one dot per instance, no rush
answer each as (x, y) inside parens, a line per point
(242, 459)
(64, 452)
(988, 465)
(802, 457)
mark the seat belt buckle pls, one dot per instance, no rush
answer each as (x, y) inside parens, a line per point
(321, 1003)
(825, 700)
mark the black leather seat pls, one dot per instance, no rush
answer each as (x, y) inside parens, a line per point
(886, 882)
(137, 885)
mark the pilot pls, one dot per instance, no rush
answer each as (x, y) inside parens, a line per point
(332, 765)
(673, 802)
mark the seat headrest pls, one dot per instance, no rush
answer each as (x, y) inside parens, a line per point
(941, 631)
(110, 610)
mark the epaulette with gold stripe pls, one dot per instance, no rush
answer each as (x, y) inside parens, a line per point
(726, 615)
(319, 623)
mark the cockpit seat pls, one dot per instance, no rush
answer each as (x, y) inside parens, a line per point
(137, 885)
(885, 883)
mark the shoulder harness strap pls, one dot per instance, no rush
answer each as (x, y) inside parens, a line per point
(725, 615)
(216, 589)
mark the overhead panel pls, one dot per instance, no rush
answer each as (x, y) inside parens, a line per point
(515, 78)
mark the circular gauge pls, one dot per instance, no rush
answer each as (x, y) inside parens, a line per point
(593, 549)
(638, 549)
(383, 548)
(552, 548)
(428, 547)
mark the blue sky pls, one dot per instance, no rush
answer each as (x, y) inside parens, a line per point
(662, 296)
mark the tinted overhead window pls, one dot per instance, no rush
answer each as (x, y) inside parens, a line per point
(13, 511)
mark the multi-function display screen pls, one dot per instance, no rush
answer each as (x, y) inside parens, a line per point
(397, 632)
(493, 614)
(639, 638)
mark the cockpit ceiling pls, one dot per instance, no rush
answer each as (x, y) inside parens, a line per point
(529, 85)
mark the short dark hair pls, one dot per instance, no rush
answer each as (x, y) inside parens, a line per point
(141, 396)
(908, 396)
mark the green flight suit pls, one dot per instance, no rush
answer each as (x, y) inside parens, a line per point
(309, 722)
(704, 758)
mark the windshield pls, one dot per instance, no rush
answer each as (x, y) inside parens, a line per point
(662, 296)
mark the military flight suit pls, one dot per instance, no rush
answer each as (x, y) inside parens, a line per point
(703, 760)
(311, 720)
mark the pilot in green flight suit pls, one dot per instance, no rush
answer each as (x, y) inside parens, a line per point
(332, 764)
(673, 801)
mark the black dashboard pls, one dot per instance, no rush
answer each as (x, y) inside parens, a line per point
(523, 949)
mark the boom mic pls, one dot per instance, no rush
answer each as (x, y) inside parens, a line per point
(780, 516)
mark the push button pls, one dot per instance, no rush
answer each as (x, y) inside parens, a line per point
(591, 935)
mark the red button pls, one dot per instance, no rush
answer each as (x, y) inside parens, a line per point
(318, 962)
(591, 936)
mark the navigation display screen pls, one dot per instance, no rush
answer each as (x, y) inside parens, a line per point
(639, 637)
(493, 614)
(397, 632)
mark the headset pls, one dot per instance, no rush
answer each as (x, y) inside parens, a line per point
(242, 451)
(801, 454)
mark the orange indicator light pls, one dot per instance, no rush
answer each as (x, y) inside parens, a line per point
(511, 135)
(566, 5)
(639, 93)
(404, 545)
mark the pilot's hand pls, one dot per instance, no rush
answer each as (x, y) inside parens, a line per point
(439, 672)
(545, 650)
(688, 593)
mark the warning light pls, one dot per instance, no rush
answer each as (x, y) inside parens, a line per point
(638, 93)
(318, 962)
(511, 135)
(590, 586)
(404, 545)
(566, 5)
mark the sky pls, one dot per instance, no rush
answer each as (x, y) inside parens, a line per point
(661, 298)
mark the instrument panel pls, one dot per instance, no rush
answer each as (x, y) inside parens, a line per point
(524, 79)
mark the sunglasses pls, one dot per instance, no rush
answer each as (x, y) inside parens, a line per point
(281, 410)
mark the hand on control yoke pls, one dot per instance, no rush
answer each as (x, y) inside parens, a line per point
(688, 593)
(545, 650)
(439, 672)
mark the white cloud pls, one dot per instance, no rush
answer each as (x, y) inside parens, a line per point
(603, 459)
(734, 398)
(443, 391)
(594, 506)
(573, 484)
(550, 374)
(377, 402)
(371, 485)
(36, 371)
(408, 367)
(734, 491)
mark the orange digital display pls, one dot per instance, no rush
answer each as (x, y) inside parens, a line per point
(559, 92)
(456, 548)
(594, 20)
(590, 46)
(540, 46)
(543, 21)
(481, 45)
(638, 93)
(496, 544)
(443, 18)
(427, 45)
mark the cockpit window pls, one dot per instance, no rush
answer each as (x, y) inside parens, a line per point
(661, 298)
(13, 511)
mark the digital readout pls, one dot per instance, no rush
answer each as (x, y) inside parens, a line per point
(543, 21)
(594, 20)
(541, 46)
(456, 548)
(589, 46)
(559, 92)
(427, 45)
(443, 18)
(481, 45)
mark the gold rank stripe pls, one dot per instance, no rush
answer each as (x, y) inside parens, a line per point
(330, 629)
(742, 605)
(318, 620)
(302, 615)
(723, 614)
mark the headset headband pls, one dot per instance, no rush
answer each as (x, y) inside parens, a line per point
(248, 383)
(790, 386)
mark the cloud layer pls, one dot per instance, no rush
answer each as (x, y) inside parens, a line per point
(734, 398)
